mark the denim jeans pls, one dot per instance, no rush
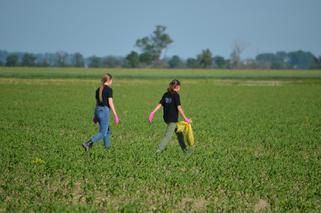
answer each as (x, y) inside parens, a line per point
(170, 129)
(102, 115)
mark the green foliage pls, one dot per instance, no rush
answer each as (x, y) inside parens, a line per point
(146, 58)
(95, 61)
(28, 60)
(257, 145)
(176, 62)
(220, 62)
(44, 63)
(154, 44)
(301, 60)
(12, 60)
(205, 58)
(133, 59)
(79, 60)
(112, 61)
(61, 59)
(191, 63)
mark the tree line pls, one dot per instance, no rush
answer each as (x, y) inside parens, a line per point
(151, 53)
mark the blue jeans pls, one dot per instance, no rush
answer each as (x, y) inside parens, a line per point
(102, 115)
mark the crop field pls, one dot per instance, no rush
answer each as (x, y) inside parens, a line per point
(258, 142)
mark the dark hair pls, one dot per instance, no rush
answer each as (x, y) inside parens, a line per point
(174, 83)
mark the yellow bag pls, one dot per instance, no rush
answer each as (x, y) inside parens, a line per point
(187, 130)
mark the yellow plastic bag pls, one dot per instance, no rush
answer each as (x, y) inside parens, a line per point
(187, 130)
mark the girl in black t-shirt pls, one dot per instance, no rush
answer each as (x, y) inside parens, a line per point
(171, 106)
(104, 103)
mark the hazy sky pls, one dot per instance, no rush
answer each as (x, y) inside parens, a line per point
(111, 27)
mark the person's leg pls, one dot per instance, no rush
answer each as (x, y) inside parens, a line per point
(180, 138)
(100, 114)
(168, 134)
(100, 117)
(106, 130)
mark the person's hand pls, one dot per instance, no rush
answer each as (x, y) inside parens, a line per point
(188, 120)
(95, 120)
(116, 119)
(150, 117)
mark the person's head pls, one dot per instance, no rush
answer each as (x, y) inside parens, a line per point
(174, 86)
(107, 79)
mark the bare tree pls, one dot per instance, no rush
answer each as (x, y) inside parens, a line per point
(238, 48)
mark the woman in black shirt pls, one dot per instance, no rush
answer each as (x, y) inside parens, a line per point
(104, 102)
(171, 106)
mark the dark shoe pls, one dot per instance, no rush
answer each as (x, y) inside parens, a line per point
(87, 145)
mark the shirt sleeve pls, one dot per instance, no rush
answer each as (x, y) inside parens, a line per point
(177, 100)
(108, 93)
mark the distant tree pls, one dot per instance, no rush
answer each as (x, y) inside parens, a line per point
(95, 61)
(43, 63)
(220, 62)
(61, 59)
(1, 63)
(205, 58)
(155, 44)
(266, 60)
(282, 59)
(3, 56)
(112, 61)
(29, 60)
(301, 60)
(78, 60)
(12, 60)
(238, 48)
(318, 63)
(133, 59)
(175, 62)
(146, 58)
(191, 63)
(271, 60)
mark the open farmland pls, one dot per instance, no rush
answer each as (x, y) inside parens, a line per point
(258, 142)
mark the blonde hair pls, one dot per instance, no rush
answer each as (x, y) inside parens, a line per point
(106, 77)
(173, 84)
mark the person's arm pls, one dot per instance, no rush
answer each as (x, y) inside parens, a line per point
(112, 107)
(158, 106)
(151, 114)
(181, 111)
(180, 108)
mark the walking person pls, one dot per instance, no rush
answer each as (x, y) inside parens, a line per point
(104, 103)
(171, 104)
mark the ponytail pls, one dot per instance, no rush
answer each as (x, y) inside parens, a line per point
(106, 77)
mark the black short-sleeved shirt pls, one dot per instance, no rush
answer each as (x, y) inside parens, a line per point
(170, 101)
(107, 93)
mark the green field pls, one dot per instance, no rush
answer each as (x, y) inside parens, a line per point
(92, 73)
(258, 142)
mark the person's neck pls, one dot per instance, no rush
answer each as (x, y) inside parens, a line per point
(107, 84)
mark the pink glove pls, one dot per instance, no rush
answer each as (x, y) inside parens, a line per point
(95, 120)
(150, 118)
(116, 120)
(188, 120)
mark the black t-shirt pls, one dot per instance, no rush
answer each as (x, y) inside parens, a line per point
(170, 101)
(107, 93)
